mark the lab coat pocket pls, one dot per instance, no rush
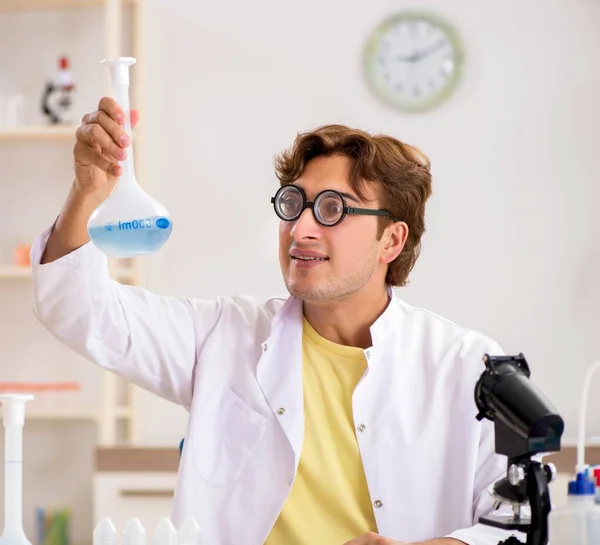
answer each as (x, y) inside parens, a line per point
(225, 436)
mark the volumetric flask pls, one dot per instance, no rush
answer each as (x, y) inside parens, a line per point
(129, 222)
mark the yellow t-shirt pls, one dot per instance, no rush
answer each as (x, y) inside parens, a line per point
(329, 503)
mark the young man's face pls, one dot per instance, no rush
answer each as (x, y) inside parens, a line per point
(350, 256)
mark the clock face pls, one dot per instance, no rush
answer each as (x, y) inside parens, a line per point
(413, 61)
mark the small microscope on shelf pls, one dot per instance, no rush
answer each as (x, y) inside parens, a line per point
(57, 98)
(525, 424)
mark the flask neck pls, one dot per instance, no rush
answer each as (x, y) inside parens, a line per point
(122, 97)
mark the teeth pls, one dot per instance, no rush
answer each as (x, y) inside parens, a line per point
(310, 258)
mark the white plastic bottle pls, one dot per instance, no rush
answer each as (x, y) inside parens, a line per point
(105, 533)
(577, 523)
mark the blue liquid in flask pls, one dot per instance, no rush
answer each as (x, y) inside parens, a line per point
(134, 237)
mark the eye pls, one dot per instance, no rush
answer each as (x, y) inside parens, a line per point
(331, 208)
(289, 203)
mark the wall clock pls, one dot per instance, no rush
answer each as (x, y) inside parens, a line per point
(413, 61)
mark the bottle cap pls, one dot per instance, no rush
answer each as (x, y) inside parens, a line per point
(582, 486)
(189, 532)
(105, 533)
(134, 533)
(165, 533)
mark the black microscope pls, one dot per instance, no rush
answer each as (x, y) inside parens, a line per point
(525, 424)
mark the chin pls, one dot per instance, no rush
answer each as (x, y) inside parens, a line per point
(311, 292)
(299, 289)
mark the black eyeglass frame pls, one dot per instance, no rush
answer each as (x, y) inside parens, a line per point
(311, 204)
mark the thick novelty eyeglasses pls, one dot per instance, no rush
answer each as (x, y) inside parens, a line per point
(329, 207)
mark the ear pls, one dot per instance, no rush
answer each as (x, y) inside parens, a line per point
(393, 241)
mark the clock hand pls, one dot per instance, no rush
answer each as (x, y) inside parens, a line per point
(419, 55)
(407, 58)
(431, 50)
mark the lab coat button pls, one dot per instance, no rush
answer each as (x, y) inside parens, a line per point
(362, 428)
(265, 347)
(281, 411)
(291, 482)
(378, 504)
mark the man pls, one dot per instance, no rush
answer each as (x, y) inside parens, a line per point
(338, 415)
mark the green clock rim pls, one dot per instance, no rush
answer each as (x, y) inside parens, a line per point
(374, 40)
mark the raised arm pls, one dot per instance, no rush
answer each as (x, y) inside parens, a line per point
(148, 339)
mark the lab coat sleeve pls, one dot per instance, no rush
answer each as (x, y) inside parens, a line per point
(149, 340)
(491, 467)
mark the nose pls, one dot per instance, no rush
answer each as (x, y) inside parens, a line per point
(306, 226)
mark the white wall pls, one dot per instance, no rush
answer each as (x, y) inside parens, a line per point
(510, 244)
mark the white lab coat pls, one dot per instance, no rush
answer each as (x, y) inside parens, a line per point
(235, 365)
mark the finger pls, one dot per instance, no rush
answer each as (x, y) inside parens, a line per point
(91, 157)
(116, 131)
(135, 117)
(370, 538)
(112, 108)
(95, 136)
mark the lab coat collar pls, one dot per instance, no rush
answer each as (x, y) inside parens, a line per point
(389, 321)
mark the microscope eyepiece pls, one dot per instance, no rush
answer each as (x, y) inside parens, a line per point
(526, 422)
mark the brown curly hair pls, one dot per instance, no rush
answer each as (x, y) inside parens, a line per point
(400, 171)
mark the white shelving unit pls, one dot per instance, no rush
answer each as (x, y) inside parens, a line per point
(39, 5)
(115, 416)
(13, 272)
(62, 414)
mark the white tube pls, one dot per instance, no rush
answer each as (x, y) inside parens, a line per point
(14, 419)
(13, 487)
(582, 416)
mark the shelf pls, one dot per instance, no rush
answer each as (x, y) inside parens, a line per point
(45, 5)
(60, 414)
(573, 441)
(60, 132)
(123, 412)
(14, 272)
(115, 423)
